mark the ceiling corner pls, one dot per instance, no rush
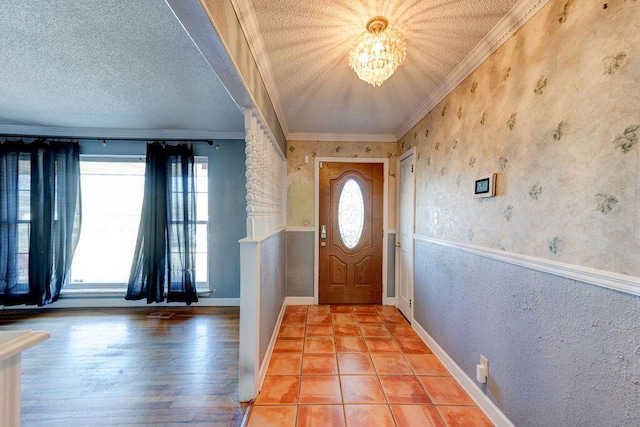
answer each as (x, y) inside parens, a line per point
(504, 29)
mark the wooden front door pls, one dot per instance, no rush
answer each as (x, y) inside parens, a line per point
(351, 227)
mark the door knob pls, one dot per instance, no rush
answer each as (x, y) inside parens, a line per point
(398, 244)
(323, 244)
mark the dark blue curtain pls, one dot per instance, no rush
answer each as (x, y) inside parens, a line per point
(40, 215)
(164, 258)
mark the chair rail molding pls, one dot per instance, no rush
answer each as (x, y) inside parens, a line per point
(592, 276)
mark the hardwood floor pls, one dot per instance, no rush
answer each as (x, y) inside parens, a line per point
(119, 367)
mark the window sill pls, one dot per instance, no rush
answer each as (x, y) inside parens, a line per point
(107, 292)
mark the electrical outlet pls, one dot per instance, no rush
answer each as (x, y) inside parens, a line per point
(485, 362)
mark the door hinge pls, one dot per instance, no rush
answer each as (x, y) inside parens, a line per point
(412, 168)
(410, 303)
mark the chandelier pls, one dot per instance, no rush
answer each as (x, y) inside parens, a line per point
(376, 54)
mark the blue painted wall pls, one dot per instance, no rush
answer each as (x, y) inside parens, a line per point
(227, 216)
(272, 286)
(561, 352)
(227, 204)
(300, 255)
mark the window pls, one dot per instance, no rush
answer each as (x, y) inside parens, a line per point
(112, 195)
(24, 218)
(351, 213)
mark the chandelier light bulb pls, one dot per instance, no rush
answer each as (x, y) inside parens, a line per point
(376, 54)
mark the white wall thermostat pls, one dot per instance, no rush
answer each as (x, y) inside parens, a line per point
(485, 187)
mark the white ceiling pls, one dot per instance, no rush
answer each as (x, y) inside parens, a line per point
(302, 52)
(118, 67)
(121, 66)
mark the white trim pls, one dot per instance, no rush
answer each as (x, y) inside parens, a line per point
(104, 302)
(340, 137)
(299, 301)
(514, 20)
(482, 400)
(249, 368)
(391, 301)
(385, 218)
(301, 229)
(605, 279)
(106, 133)
(263, 237)
(391, 231)
(249, 24)
(409, 153)
(269, 352)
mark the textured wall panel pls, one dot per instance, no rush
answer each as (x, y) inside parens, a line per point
(561, 352)
(301, 176)
(300, 263)
(558, 121)
(391, 265)
(272, 286)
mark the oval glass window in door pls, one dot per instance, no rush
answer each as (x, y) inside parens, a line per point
(351, 214)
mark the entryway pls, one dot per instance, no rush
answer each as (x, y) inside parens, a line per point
(351, 233)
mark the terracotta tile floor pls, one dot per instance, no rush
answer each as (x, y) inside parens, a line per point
(345, 365)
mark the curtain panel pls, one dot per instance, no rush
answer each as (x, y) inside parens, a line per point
(164, 258)
(40, 216)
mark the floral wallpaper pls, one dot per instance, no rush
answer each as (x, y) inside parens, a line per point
(301, 176)
(555, 113)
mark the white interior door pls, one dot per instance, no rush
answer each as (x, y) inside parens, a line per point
(404, 236)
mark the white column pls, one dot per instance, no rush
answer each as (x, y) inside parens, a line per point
(266, 174)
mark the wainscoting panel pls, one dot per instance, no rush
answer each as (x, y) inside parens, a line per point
(561, 352)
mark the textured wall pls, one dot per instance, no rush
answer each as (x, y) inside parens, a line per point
(227, 217)
(300, 263)
(556, 113)
(301, 176)
(561, 352)
(391, 265)
(272, 286)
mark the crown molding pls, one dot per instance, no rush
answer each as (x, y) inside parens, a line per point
(342, 137)
(512, 22)
(249, 23)
(144, 134)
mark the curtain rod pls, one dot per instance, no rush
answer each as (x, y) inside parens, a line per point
(104, 140)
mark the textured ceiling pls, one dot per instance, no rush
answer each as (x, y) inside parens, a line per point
(116, 64)
(130, 65)
(302, 51)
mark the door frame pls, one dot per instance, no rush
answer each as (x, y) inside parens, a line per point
(385, 218)
(410, 152)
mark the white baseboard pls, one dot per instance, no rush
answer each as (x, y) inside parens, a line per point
(106, 302)
(269, 352)
(390, 301)
(482, 400)
(299, 301)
